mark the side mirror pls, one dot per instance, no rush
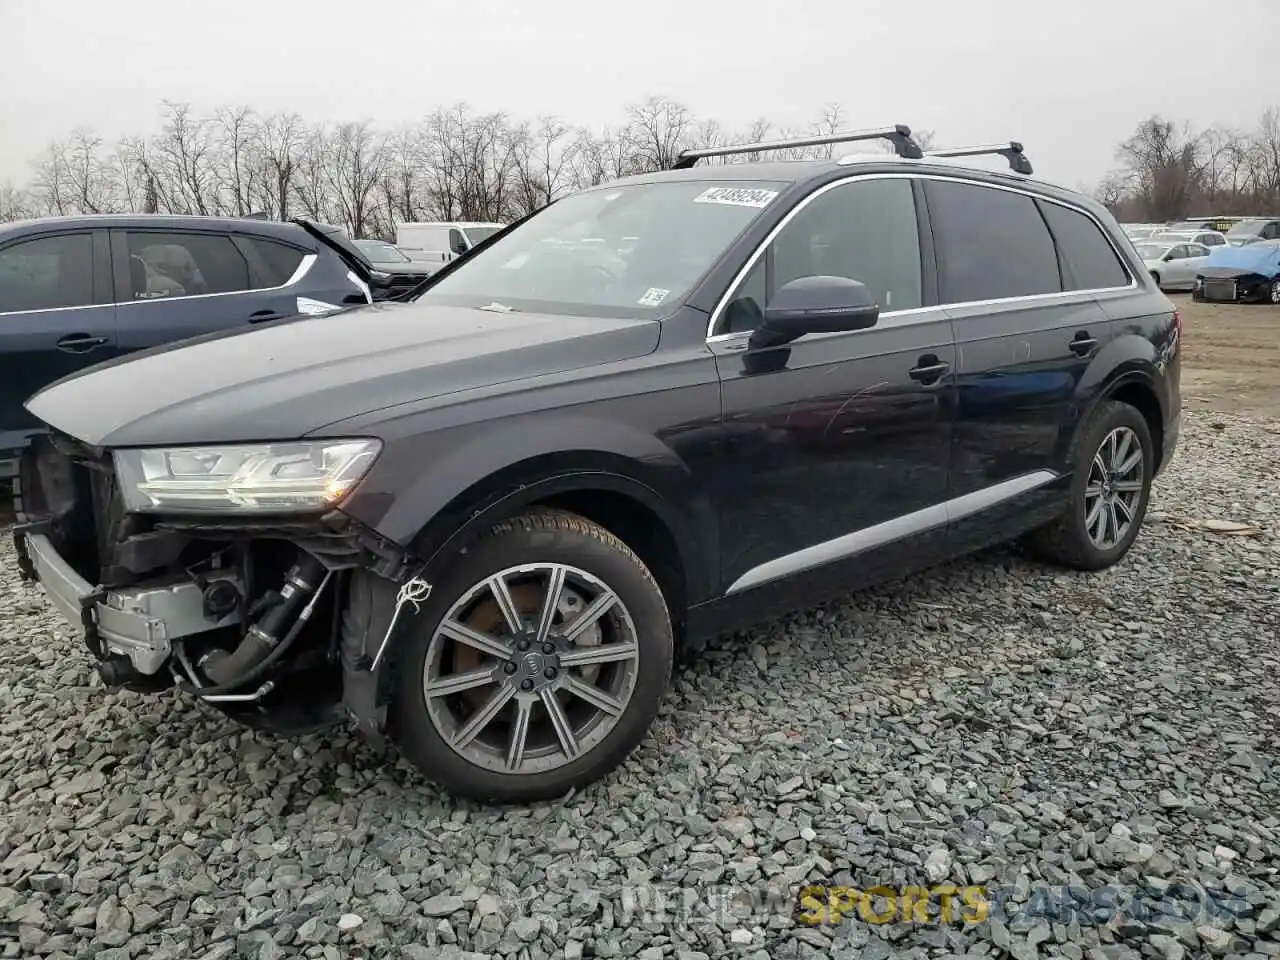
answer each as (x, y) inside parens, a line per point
(1168, 256)
(815, 305)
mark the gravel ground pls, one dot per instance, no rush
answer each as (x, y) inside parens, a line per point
(994, 722)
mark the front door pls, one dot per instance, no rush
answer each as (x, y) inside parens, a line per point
(56, 318)
(836, 445)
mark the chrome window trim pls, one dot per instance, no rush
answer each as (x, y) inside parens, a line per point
(83, 306)
(717, 313)
(898, 528)
(303, 268)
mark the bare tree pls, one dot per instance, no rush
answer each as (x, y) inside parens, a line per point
(280, 141)
(354, 163)
(657, 130)
(16, 203)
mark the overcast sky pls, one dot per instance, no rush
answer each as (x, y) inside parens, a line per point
(1070, 79)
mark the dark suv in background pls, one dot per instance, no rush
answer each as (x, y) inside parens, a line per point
(75, 291)
(481, 521)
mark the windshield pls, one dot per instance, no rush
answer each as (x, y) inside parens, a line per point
(1152, 251)
(380, 252)
(476, 234)
(625, 251)
(1247, 228)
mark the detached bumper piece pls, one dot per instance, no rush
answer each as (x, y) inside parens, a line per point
(137, 624)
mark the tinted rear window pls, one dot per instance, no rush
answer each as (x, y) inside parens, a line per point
(1091, 262)
(279, 259)
(991, 243)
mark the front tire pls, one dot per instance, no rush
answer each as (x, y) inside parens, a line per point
(537, 663)
(1274, 291)
(1114, 463)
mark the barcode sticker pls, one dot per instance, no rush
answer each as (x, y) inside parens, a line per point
(737, 196)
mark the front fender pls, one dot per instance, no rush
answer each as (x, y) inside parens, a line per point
(471, 474)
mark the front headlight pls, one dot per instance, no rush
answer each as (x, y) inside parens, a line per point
(289, 477)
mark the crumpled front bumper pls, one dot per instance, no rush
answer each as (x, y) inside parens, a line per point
(138, 623)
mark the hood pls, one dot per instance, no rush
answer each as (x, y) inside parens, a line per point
(1254, 258)
(291, 379)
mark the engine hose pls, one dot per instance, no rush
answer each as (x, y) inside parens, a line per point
(261, 646)
(268, 662)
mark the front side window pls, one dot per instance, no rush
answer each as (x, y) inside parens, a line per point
(1091, 262)
(624, 251)
(864, 230)
(163, 265)
(991, 244)
(47, 273)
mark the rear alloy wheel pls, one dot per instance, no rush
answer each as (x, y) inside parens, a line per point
(543, 665)
(1110, 488)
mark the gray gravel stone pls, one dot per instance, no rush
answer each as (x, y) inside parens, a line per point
(993, 721)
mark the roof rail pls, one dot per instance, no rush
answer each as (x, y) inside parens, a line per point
(1011, 151)
(899, 135)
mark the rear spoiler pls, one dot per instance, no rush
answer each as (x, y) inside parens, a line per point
(337, 240)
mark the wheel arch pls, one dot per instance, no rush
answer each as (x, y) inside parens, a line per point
(1132, 382)
(634, 503)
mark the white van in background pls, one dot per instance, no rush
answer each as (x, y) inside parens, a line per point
(438, 243)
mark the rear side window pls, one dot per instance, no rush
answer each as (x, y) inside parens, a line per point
(47, 273)
(279, 260)
(163, 265)
(991, 243)
(1090, 261)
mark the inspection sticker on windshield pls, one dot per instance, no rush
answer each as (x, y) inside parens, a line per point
(736, 196)
(653, 296)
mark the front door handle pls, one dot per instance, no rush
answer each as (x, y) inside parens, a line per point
(1082, 344)
(79, 343)
(261, 316)
(928, 370)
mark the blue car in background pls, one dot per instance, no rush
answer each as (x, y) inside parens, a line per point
(75, 291)
(1240, 274)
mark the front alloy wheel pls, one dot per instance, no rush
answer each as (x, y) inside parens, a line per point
(531, 668)
(1275, 290)
(537, 663)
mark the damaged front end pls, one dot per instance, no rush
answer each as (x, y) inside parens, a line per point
(242, 611)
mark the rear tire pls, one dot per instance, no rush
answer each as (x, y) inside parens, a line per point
(1107, 502)
(560, 725)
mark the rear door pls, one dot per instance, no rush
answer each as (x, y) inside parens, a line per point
(56, 318)
(174, 284)
(1027, 325)
(1197, 254)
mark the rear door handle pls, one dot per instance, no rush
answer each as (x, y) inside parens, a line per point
(929, 369)
(1082, 345)
(261, 316)
(79, 343)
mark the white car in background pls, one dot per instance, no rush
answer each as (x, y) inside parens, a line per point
(1172, 264)
(1206, 238)
(1141, 231)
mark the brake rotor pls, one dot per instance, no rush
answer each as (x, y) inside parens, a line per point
(486, 617)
